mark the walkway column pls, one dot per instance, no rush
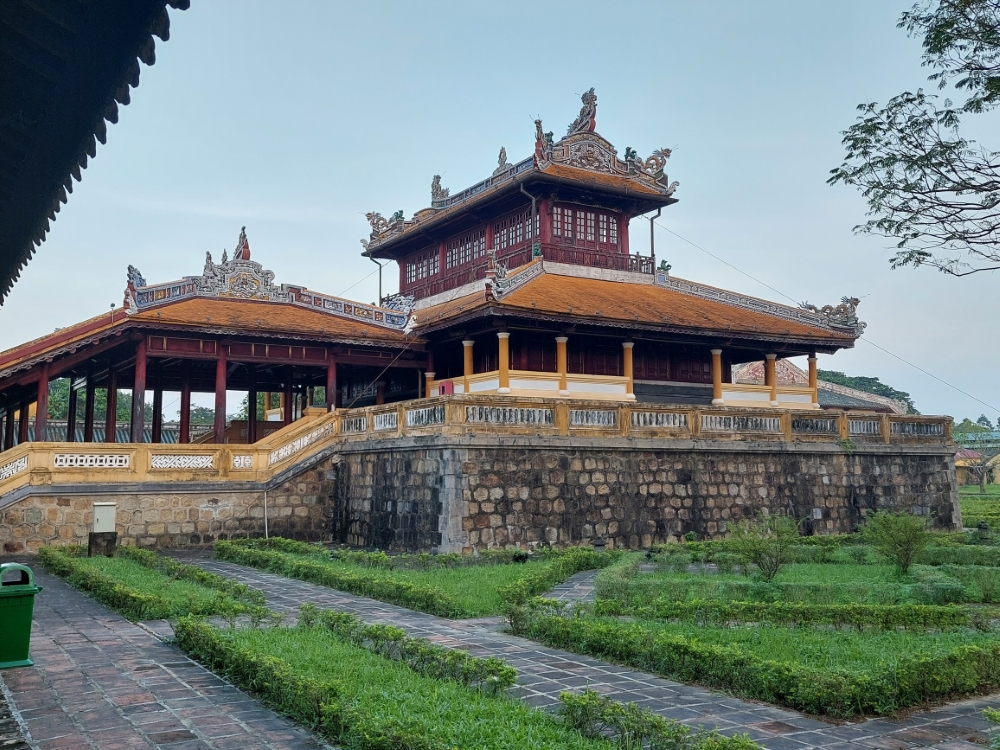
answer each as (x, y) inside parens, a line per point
(139, 394)
(111, 418)
(504, 362)
(429, 383)
(220, 395)
(561, 366)
(88, 411)
(185, 422)
(379, 393)
(770, 377)
(627, 351)
(71, 414)
(467, 361)
(717, 377)
(813, 379)
(286, 398)
(157, 436)
(42, 406)
(331, 384)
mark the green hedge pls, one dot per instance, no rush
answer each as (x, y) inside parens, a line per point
(134, 604)
(370, 584)
(792, 614)
(491, 675)
(632, 726)
(383, 561)
(374, 706)
(965, 670)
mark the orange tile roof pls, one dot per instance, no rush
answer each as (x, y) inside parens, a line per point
(240, 316)
(253, 317)
(599, 301)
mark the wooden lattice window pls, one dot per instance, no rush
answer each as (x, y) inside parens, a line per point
(557, 224)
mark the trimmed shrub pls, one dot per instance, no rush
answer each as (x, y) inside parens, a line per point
(596, 716)
(899, 537)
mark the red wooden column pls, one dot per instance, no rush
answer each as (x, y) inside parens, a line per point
(252, 407)
(185, 425)
(139, 394)
(623, 233)
(8, 429)
(157, 414)
(71, 413)
(220, 395)
(111, 418)
(88, 411)
(42, 406)
(331, 383)
(22, 423)
(544, 221)
(289, 406)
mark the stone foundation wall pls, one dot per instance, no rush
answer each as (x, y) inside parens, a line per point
(458, 493)
(166, 518)
(463, 497)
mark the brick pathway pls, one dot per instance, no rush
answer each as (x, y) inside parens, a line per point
(544, 672)
(102, 682)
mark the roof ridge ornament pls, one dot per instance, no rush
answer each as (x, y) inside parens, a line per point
(502, 164)
(242, 251)
(844, 315)
(586, 121)
(438, 193)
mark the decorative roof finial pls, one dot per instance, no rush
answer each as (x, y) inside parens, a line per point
(242, 251)
(438, 193)
(502, 165)
(587, 119)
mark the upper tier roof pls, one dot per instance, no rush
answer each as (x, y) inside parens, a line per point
(582, 158)
(577, 294)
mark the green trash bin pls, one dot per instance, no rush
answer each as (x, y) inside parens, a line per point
(17, 600)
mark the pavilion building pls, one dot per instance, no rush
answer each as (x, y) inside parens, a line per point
(534, 381)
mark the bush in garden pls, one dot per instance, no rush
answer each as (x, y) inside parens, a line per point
(899, 537)
(595, 716)
(766, 542)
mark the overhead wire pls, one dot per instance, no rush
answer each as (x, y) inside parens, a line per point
(796, 303)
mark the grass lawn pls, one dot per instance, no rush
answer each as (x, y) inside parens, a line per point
(447, 586)
(141, 585)
(474, 588)
(829, 649)
(385, 692)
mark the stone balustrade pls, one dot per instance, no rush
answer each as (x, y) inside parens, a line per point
(472, 414)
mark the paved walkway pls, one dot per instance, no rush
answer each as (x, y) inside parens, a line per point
(545, 672)
(102, 682)
(576, 588)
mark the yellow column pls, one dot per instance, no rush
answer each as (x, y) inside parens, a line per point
(504, 361)
(468, 363)
(771, 378)
(813, 379)
(717, 377)
(429, 384)
(561, 364)
(627, 351)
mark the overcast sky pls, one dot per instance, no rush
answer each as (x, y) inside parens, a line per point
(297, 118)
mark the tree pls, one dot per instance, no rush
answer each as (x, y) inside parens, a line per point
(899, 537)
(766, 542)
(868, 385)
(202, 415)
(59, 404)
(979, 446)
(933, 192)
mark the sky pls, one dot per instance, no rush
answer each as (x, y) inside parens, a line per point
(297, 118)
